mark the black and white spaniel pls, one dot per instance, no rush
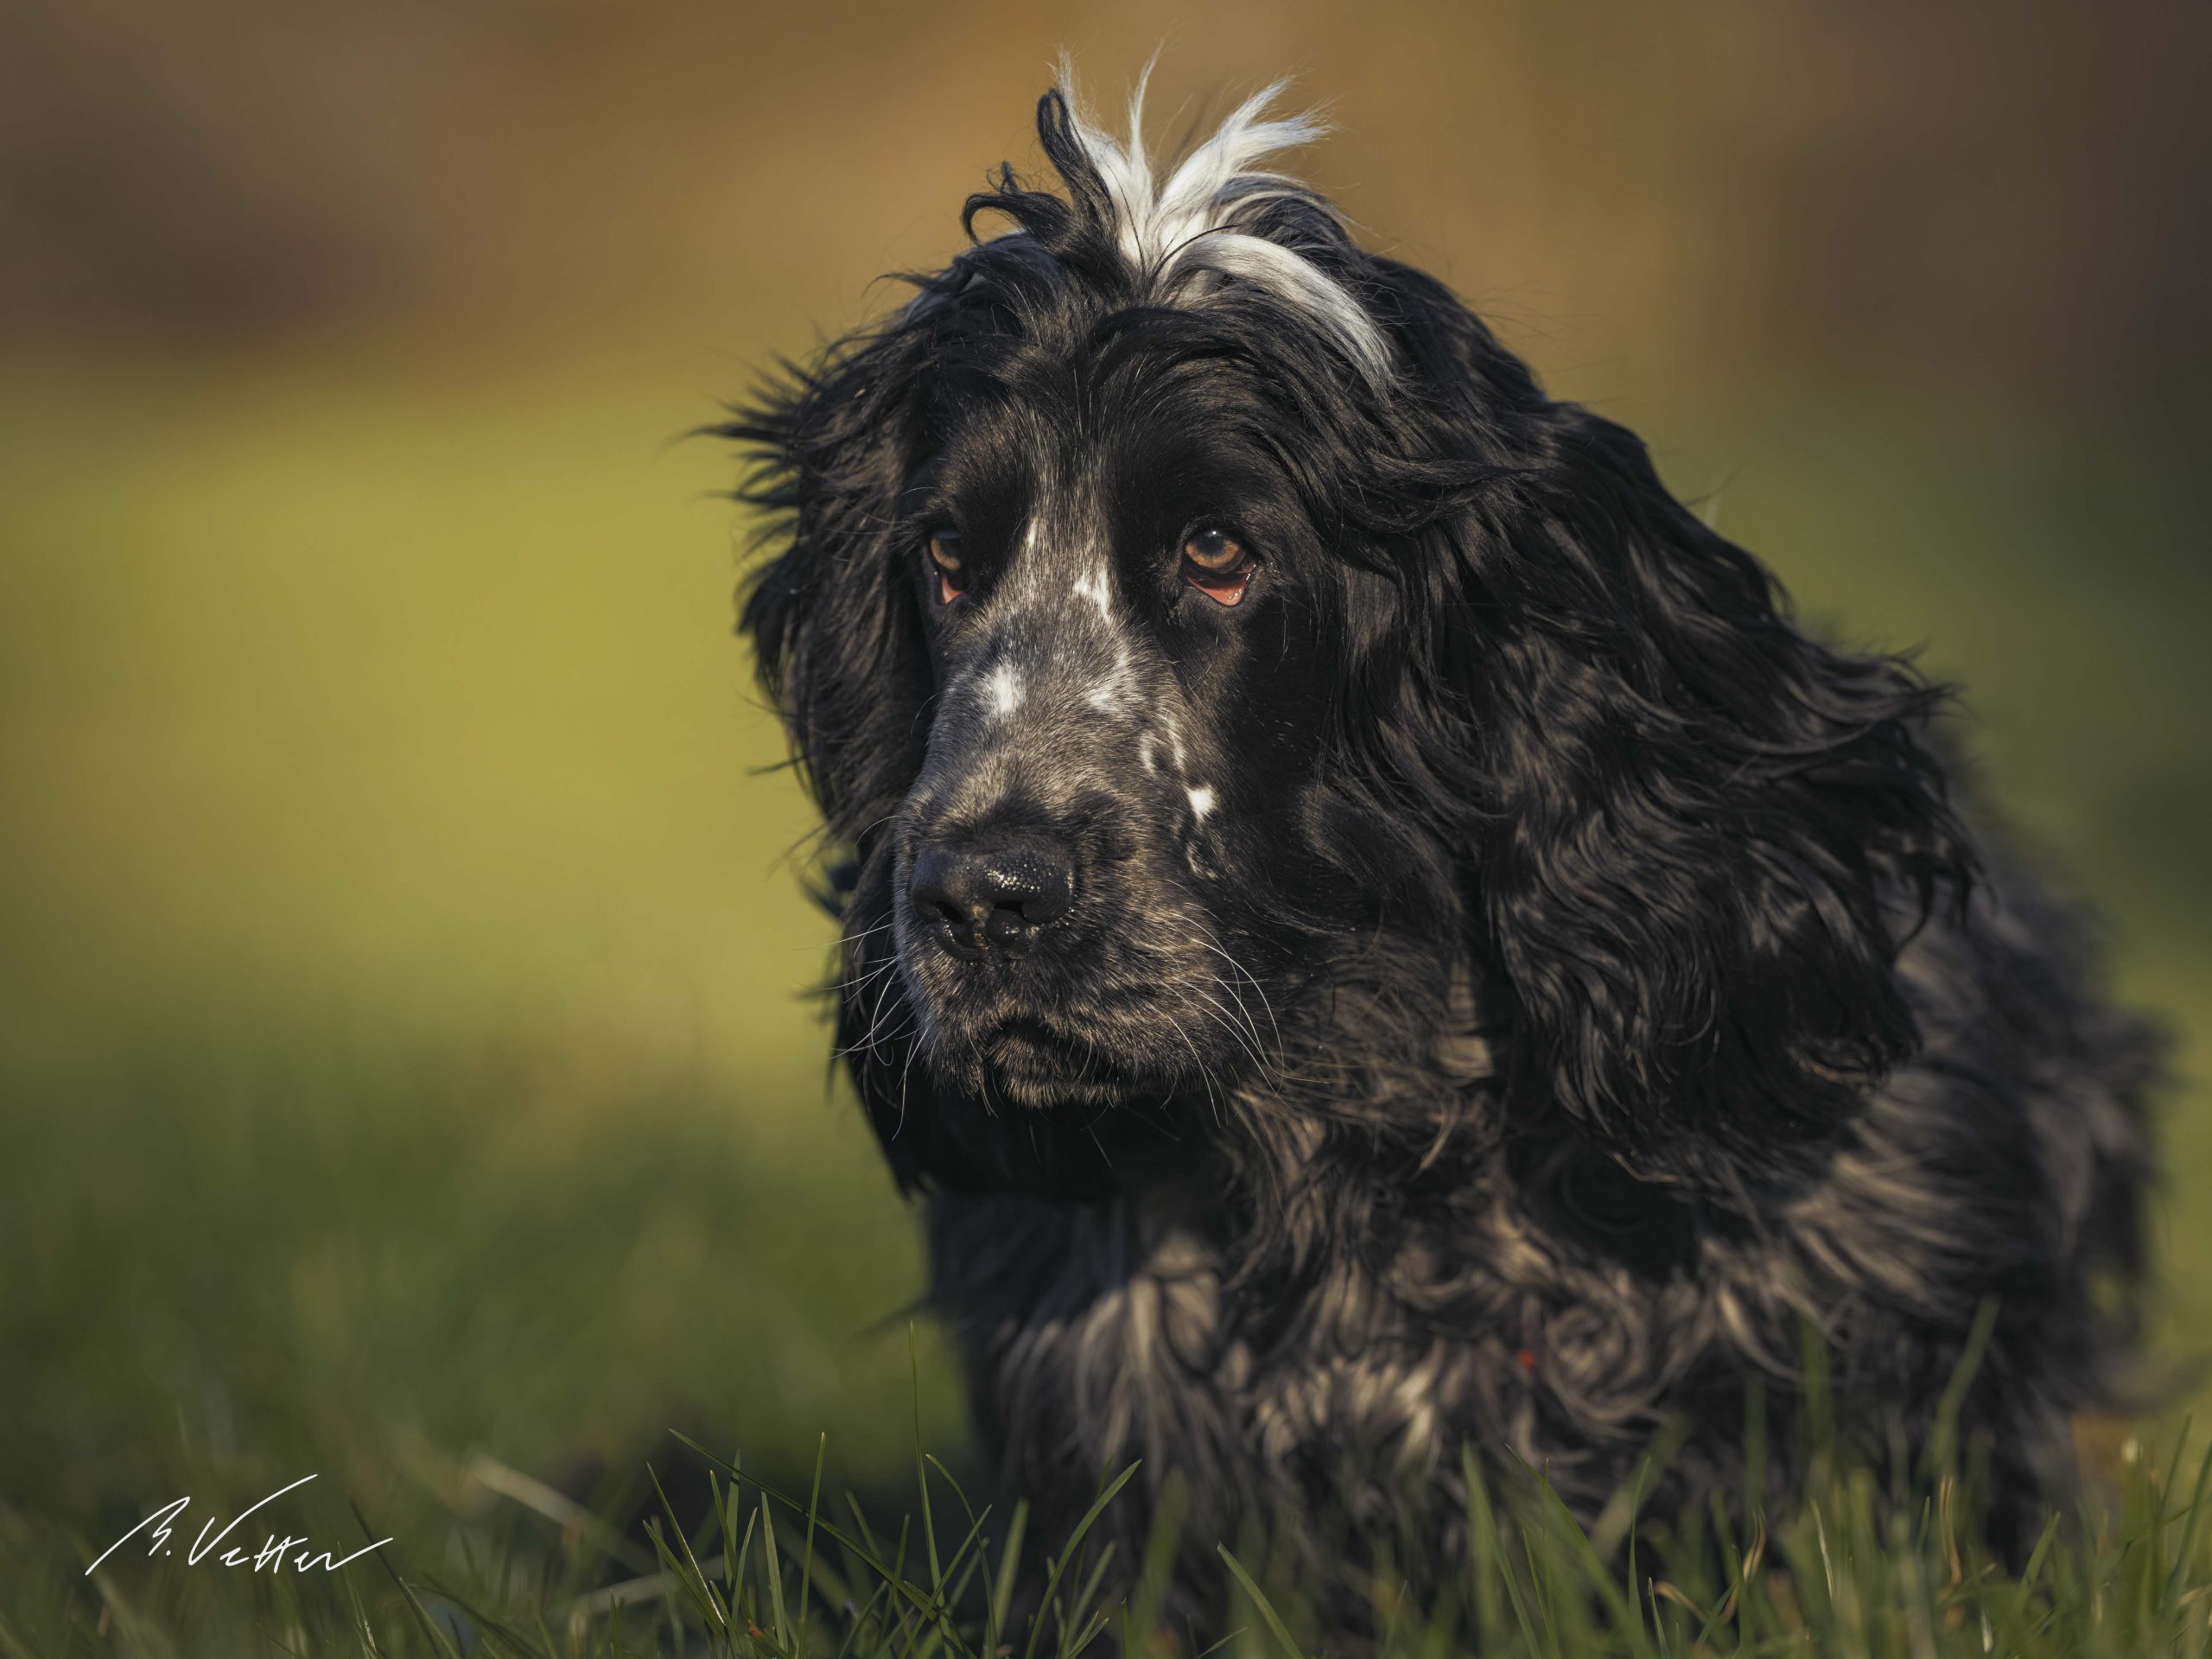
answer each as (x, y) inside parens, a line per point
(1370, 924)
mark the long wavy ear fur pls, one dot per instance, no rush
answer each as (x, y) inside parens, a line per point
(835, 631)
(1702, 837)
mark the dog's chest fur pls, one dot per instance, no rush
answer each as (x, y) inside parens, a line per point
(1145, 1329)
(1325, 1333)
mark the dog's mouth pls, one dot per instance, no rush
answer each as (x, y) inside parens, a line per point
(1035, 1063)
(1128, 1034)
(1085, 1014)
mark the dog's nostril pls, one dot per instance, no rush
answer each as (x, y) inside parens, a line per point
(992, 897)
(1029, 886)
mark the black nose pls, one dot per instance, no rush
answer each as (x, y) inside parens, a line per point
(992, 896)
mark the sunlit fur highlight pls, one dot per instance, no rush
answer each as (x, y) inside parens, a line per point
(1206, 218)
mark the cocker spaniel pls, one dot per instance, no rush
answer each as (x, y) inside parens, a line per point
(1373, 928)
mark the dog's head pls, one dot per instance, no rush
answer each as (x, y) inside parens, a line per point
(1191, 624)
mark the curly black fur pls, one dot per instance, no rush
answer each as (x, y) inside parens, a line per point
(1517, 981)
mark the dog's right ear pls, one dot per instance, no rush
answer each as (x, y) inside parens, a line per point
(1696, 838)
(833, 614)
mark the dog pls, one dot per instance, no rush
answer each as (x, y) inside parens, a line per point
(1373, 930)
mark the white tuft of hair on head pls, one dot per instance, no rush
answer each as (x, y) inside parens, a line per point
(1197, 223)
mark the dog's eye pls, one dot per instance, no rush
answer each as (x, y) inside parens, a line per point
(945, 554)
(1218, 565)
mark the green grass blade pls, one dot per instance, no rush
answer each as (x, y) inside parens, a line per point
(1002, 1602)
(806, 1566)
(1485, 1567)
(1067, 1554)
(672, 1566)
(921, 1469)
(2199, 1494)
(438, 1639)
(1268, 1614)
(1142, 1614)
(773, 1561)
(698, 1582)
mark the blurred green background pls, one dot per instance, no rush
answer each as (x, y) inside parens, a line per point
(403, 1044)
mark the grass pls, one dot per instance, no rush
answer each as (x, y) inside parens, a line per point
(405, 1079)
(1871, 1563)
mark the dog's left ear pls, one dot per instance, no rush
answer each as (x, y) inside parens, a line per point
(1702, 837)
(835, 630)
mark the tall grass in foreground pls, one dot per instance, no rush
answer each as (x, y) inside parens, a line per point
(1872, 1563)
(469, 1287)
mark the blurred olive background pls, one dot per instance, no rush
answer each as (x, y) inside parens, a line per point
(402, 1024)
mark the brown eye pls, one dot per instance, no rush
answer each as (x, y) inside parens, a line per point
(1214, 551)
(1217, 565)
(945, 554)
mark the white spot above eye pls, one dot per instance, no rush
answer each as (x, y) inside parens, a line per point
(1201, 802)
(1006, 691)
(1091, 585)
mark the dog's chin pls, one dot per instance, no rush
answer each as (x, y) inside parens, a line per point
(1028, 1063)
